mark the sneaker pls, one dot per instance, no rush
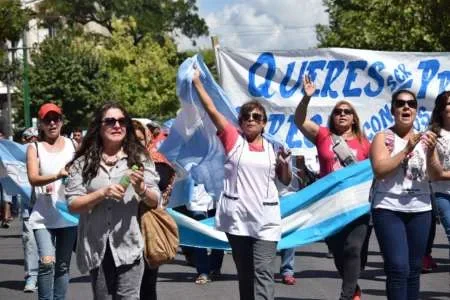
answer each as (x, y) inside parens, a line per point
(427, 264)
(30, 286)
(357, 294)
(202, 279)
(289, 280)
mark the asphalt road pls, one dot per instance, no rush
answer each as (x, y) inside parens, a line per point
(316, 276)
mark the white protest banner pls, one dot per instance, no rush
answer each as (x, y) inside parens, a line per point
(365, 78)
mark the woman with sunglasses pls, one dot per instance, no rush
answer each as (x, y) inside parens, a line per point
(248, 210)
(349, 245)
(55, 235)
(401, 202)
(110, 243)
(439, 165)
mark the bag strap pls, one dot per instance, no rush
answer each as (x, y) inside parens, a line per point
(346, 157)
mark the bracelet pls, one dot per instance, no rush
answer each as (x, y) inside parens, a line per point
(143, 193)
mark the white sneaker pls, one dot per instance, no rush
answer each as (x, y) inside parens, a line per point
(30, 286)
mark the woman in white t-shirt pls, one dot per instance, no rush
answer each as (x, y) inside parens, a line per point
(55, 235)
(401, 203)
(248, 210)
(439, 164)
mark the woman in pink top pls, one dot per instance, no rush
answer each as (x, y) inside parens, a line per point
(248, 210)
(349, 245)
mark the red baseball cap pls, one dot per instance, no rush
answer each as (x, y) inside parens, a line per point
(48, 107)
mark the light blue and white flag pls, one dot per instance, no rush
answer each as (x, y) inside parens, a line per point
(13, 171)
(192, 142)
(309, 215)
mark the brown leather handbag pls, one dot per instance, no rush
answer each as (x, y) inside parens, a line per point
(160, 234)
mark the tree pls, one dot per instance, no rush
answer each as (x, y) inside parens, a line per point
(142, 76)
(400, 25)
(13, 21)
(154, 17)
(66, 71)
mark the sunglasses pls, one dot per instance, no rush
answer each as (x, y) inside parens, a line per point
(111, 122)
(339, 111)
(54, 119)
(255, 116)
(400, 103)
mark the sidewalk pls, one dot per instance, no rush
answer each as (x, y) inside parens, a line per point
(316, 276)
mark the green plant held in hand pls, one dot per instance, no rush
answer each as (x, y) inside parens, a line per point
(125, 179)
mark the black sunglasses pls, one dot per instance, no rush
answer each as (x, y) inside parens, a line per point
(55, 119)
(339, 111)
(111, 122)
(255, 116)
(400, 103)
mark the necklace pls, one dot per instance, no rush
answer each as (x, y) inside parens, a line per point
(110, 160)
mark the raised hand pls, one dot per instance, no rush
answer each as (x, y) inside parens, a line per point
(308, 86)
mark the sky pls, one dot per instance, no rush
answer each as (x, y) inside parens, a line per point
(260, 24)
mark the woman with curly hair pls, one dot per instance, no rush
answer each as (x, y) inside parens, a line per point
(110, 244)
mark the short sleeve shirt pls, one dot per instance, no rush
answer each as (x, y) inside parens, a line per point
(328, 160)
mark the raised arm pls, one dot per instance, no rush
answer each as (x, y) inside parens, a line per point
(216, 117)
(307, 127)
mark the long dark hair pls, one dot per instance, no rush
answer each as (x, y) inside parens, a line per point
(92, 146)
(356, 126)
(440, 103)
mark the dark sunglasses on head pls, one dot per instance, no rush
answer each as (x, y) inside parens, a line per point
(255, 116)
(400, 103)
(339, 111)
(55, 119)
(111, 122)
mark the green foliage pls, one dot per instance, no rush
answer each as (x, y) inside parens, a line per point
(13, 20)
(142, 76)
(65, 71)
(153, 17)
(399, 25)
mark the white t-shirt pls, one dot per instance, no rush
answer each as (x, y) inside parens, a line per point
(443, 150)
(406, 189)
(45, 213)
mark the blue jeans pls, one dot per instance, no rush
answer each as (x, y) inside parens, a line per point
(287, 262)
(442, 202)
(205, 263)
(53, 276)
(31, 258)
(403, 241)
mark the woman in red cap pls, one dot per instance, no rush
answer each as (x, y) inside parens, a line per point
(55, 235)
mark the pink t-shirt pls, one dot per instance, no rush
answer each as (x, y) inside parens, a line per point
(328, 160)
(229, 136)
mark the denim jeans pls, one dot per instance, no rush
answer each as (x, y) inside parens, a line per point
(287, 262)
(205, 263)
(53, 277)
(31, 257)
(442, 202)
(403, 240)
